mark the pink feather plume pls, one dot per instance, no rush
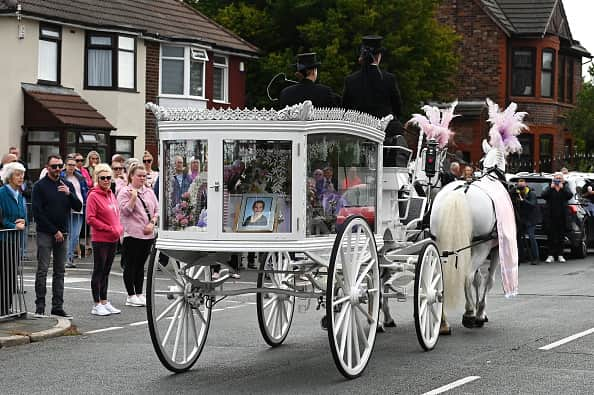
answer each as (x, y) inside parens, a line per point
(435, 123)
(505, 127)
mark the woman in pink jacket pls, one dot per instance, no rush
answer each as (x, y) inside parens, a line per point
(103, 216)
(139, 215)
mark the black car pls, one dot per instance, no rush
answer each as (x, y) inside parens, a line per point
(577, 236)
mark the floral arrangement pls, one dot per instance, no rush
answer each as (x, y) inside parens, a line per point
(183, 212)
(202, 220)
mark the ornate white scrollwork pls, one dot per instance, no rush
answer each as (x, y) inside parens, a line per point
(299, 112)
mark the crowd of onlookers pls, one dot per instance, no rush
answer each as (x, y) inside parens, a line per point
(114, 204)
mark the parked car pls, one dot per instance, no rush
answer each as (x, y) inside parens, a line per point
(582, 181)
(577, 235)
(358, 200)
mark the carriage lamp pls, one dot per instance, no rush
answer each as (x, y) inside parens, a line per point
(430, 157)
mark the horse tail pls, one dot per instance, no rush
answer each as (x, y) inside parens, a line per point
(454, 232)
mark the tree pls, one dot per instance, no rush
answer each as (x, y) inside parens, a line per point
(420, 51)
(580, 120)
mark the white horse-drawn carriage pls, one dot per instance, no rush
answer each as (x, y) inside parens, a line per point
(306, 189)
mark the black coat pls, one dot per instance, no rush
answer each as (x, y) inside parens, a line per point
(374, 92)
(320, 95)
(556, 208)
(527, 207)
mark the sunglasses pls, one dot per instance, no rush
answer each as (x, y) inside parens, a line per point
(103, 178)
(117, 168)
(147, 160)
(57, 166)
(80, 160)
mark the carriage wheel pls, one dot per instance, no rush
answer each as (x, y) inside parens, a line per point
(353, 297)
(275, 311)
(428, 296)
(178, 319)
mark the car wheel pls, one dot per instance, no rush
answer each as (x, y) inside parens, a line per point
(580, 251)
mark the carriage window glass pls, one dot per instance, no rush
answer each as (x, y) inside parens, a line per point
(341, 181)
(184, 198)
(257, 186)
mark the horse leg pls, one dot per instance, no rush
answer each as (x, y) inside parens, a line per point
(481, 316)
(468, 317)
(388, 321)
(444, 327)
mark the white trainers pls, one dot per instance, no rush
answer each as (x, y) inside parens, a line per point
(141, 299)
(133, 301)
(561, 259)
(111, 309)
(99, 309)
(550, 259)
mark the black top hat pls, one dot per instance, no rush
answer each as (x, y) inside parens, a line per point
(306, 61)
(372, 44)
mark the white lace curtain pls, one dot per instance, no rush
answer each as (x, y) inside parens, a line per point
(99, 67)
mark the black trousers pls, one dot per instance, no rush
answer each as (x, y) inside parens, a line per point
(136, 252)
(556, 233)
(103, 254)
(9, 250)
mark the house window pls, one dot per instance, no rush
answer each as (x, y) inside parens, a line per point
(523, 72)
(123, 146)
(48, 65)
(524, 160)
(40, 145)
(546, 153)
(546, 76)
(561, 79)
(570, 66)
(111, 61)
(221, 79)
(183, 71)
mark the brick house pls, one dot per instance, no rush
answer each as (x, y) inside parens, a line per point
(520, 51)
(76, 74)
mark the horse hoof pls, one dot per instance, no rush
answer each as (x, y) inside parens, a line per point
(469, 321)
(381, 329)
(390, 324)
(445, 330)
(479, 322)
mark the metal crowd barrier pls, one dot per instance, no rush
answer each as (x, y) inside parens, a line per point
(12, 298)
(30, 242)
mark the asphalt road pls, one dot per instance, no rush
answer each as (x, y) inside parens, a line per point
(556, 302)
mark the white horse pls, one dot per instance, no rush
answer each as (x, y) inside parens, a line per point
(463, 222)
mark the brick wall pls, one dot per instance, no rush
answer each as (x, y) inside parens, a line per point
(152, 91)
(479, 48)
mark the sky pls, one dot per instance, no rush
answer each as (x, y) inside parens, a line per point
(580, 15)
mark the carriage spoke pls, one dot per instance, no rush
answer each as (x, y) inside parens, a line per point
(355, 337)
(194, 325)
(270, 314)
(370, 319)
(180, 322)
(200, 315)
(171, 325)
(341, 315)
(340, 301)
(436, 280)
(172, 276)
(343, 331)
(272, 300)
(169, 308)
(364, 273)
(361, 331)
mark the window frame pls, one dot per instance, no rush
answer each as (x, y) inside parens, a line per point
(115, 55)
(225, 69)
(125, 154)
(532, 68)
(550, 71)
(58, 41)
(570, 89)
(561, 78)
(188, 59)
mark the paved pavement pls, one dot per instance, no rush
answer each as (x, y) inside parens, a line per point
(541, 342)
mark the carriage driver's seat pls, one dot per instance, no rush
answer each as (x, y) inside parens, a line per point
(396, 152)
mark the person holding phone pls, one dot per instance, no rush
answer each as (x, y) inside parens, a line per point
(53, 199)
(557, 195)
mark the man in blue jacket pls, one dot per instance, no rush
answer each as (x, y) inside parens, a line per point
(53, 199)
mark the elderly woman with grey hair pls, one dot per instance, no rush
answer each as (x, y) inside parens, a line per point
(14, 216)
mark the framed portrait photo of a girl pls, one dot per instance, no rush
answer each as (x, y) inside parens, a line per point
(257, 213)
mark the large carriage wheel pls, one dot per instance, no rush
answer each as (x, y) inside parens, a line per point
(353, 297)
(428, 296)
(178, 319)
(275, 311)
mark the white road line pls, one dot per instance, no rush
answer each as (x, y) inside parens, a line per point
(450, 386)
(84, 289)
(567, 339)
(217, 309)
(111, 328)
(138, 323)
(234, 307)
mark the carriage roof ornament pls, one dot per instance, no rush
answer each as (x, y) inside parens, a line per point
(435, 124)
(299, 112)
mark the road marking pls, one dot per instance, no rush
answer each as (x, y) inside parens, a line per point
(234, 307)
(217, 309)
(138, 323)
(450, 386)
(111, 328)
(567, 339)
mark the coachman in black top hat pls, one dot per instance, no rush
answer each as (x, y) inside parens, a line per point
(372, 90)
(307, 89)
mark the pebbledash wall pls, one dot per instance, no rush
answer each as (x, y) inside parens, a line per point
(124, 110)
(484, 72)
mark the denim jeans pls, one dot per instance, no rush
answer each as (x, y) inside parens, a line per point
(46, 245)
(76, 221)
(530, 231)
